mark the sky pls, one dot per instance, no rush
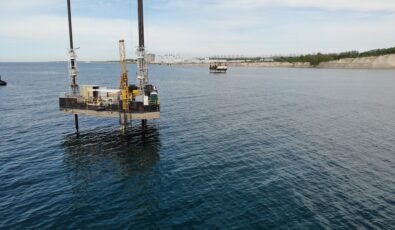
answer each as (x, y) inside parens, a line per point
(36, 30)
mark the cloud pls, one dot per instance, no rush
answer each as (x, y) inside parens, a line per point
(23, 7)
(37, 30)
(96, 37)
(352, 5)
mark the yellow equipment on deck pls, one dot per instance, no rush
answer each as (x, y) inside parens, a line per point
(124, 77)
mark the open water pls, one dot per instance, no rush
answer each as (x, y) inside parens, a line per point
(253, 148)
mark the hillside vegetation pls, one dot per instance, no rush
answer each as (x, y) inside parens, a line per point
(316, 59)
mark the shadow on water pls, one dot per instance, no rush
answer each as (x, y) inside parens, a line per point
(108, 172)
(106, 150)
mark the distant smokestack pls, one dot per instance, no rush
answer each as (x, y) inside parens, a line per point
(141, 23)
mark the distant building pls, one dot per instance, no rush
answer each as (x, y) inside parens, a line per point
(169, 59)
(150, 58)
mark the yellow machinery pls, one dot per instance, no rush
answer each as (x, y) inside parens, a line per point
(124, 86)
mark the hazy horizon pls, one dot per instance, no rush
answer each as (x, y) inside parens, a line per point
(37, 31)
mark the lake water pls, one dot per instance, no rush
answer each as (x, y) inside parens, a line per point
(253, 148)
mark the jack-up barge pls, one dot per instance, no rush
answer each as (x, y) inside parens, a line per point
(130, 102)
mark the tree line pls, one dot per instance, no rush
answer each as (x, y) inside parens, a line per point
(316, 59)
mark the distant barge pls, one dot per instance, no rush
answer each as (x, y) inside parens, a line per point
(218, 68)
(2, 83)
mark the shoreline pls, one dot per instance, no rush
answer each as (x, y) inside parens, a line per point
(373, 62)
(376, 62)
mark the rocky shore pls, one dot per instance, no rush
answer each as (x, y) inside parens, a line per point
(379, 62)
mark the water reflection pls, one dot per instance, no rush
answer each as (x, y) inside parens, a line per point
(106, 151)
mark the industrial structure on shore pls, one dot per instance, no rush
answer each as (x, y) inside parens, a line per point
(138, 101)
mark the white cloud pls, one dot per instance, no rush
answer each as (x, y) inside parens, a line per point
(353, 5)
(194, 28)
(96, 37)
(28, 6)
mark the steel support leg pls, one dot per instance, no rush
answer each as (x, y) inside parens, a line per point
(123, 120)
(77, 127)
(143, 125)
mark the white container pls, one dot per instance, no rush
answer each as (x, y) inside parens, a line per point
(142, 98)
(85, 90)
(103, 93)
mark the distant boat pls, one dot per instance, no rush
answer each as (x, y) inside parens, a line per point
(2, 83)
(218, 68)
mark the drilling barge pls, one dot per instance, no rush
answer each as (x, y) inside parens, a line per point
(138, 101)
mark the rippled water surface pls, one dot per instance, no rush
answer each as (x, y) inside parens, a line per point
(253, 148)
